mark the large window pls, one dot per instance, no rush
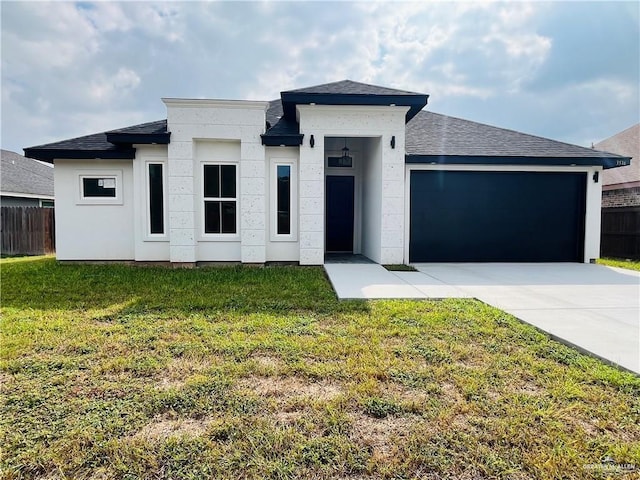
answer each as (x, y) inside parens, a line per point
(156, 199)
(220, 199)
(283, 199)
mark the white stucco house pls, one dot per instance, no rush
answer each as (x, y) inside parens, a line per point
(341, 167)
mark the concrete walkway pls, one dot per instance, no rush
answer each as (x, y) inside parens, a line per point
(593, 307)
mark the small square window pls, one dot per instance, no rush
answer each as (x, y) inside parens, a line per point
(99, 187)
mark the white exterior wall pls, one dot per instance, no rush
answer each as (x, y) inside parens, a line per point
(216, 122)
(592, 203)
(372, 200)
(93, 230)
(592, 224)
(348, 121)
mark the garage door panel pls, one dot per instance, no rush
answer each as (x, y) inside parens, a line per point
(473, 216)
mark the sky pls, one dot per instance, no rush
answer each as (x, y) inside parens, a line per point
(563, 70)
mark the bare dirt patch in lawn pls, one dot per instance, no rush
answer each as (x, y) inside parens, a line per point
(288, 418)
(528, 389)
(406, 394)
(162, 427)
(288, 387)
(381, 435)
(178, 371)
(451, 392)
(6, 379)
(267, 362)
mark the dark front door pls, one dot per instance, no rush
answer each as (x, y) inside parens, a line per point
(339, 213)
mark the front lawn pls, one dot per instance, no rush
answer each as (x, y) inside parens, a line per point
(239, 372)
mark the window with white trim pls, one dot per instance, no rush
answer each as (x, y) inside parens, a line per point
(97, 187)
(284, 195)
(283, 199)
(155, 190)
(220, 198)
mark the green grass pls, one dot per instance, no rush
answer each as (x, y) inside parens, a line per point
(145, 372)
(620, 263)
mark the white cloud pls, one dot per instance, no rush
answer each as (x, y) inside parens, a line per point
(68, 68)
(106, 87)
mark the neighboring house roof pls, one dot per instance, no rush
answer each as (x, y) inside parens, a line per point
(626, 143)
(21, 176)
(430, 137)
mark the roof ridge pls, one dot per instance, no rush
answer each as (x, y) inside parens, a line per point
(117, 130)
(352, 83)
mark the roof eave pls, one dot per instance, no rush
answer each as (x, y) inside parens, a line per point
(289, 101)
(139, 138)
(282, 140)
(50, 154)
(605, 162)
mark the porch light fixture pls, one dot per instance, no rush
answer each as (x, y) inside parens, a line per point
(312, 141)
(345, 158)
(596, 176)
(393, 141)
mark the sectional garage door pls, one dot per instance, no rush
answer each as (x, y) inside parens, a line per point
(480, 216)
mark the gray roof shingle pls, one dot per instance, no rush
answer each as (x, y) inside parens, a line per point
(24, 175)
(428, 134)
(97, 145)
(349, 87)
(274, 112)
(158, 126)
(625, 143)
(433, 134)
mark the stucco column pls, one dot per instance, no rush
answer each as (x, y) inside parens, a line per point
(393, 191)
(182, 245)
(253, 220)
(312, 201)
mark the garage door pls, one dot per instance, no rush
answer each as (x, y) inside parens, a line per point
(475, 216)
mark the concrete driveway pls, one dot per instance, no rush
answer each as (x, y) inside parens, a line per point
(593, 307)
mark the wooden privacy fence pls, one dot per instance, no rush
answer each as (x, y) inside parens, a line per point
(620, 233)
(27, 230)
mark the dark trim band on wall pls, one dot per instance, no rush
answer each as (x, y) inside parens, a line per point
(605, 162)
(415, 102)
(282, 140)
(49, 154)
(141, 138)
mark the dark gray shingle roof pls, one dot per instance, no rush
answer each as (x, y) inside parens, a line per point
(23, 175)
(274, 111)
(98, 145)
(349, 87)
(95, 141)
(433, 134)
(625, 143)
(159, 126)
